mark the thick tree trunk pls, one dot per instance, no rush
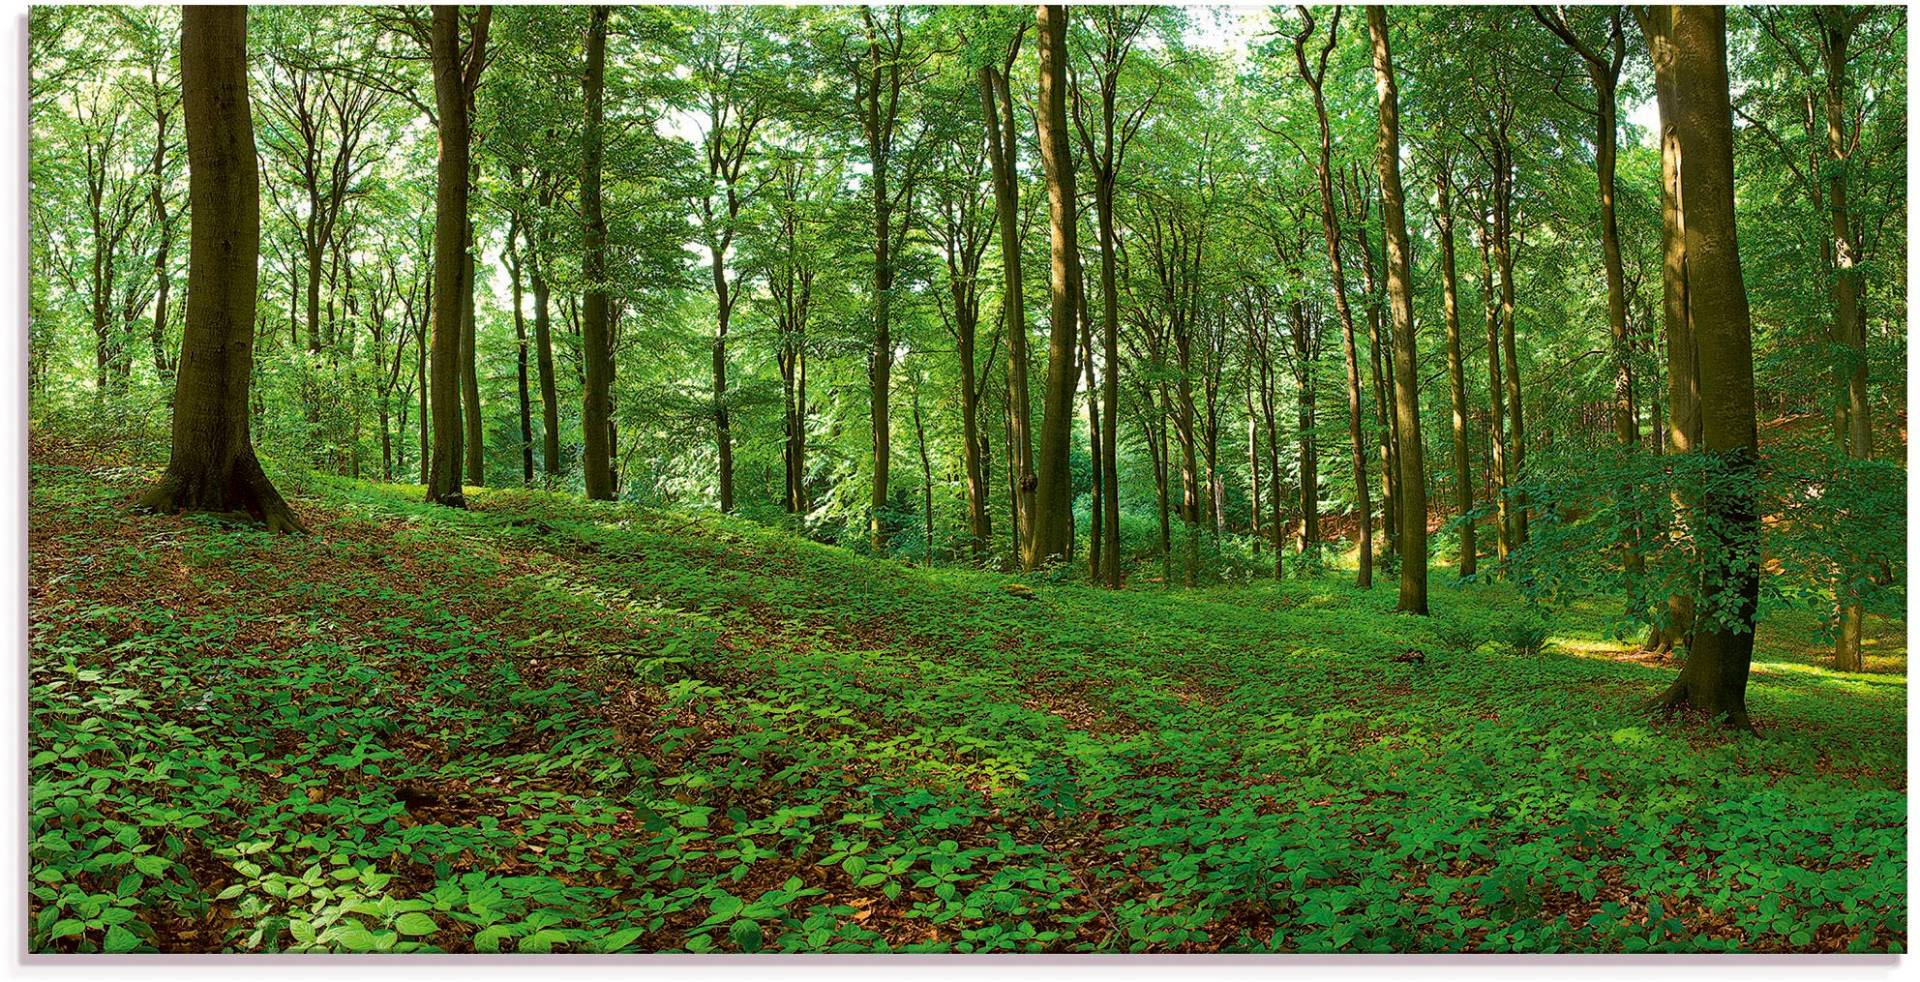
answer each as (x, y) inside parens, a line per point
(212, 466)
(1714, 678)
(449, 265)
(879, 130)
(1469, 559)
(596, 418)
(1052, 532)
(1675, 626)
(1408, 453)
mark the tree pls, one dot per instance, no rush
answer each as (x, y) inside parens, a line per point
(456, 72)
(1603, 68)
(1469, 558)
(726, 60)
(996, 104)
(1406, 382)
(880, 77)
(595, 338)
(212, 466)
(1052, 532)
(1315, 75)
(1675, 624)
(1714, 678)
(1118, 28)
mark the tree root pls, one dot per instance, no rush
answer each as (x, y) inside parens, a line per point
(246, 490)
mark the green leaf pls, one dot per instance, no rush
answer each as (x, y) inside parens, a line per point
(415, 924)
(119, 941)
(746, 935)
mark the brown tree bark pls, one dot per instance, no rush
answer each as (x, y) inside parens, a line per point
(212, 466)
(1675, 625)
(1853, 425)
(1469, 558)
(520, 352)
(877, 95)
(595, 336)
(1603, 69)
(1307, 420)
(1052, 531)
(1378, 353)
(543, 339)
(1002, 146)
(474, 443)
(449, 267)
(1118, 29)
(1503, 256)
(1496, 399)
(1408, 452)
(1714, 678)
(1330, 224)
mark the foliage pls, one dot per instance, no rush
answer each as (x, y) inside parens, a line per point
(607, 728)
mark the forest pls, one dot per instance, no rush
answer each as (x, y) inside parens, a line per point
(962, 479)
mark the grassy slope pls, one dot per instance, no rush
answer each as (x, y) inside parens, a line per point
(544, 725)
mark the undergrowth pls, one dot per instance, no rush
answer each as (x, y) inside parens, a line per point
(551, 725)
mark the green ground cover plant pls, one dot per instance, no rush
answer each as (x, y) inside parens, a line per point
(551, 725)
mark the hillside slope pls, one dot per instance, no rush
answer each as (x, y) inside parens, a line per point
(549, 725)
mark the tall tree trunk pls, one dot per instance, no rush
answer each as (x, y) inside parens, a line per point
(1714, 678)
(1096, 542)
(979, 525)
(1109, 452)
(1674, 626)
(1604, 71)
(596, 339)
(520, 359)
(1306, 417)
(1496, 400)
(1503, 254)
(212, 466)
(1052, 532)
(1406, 378)
(1002, 147)
(1379, 378)
(879, 130)
(1456, 372)
(926, 473)
(543, 359)
(1269, 412)
(420, 387)
(162, 282)
(449, 265)
(474, 442)
(722, 424)
(1853, 424)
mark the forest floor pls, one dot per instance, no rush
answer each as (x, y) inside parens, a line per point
(548, 725)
